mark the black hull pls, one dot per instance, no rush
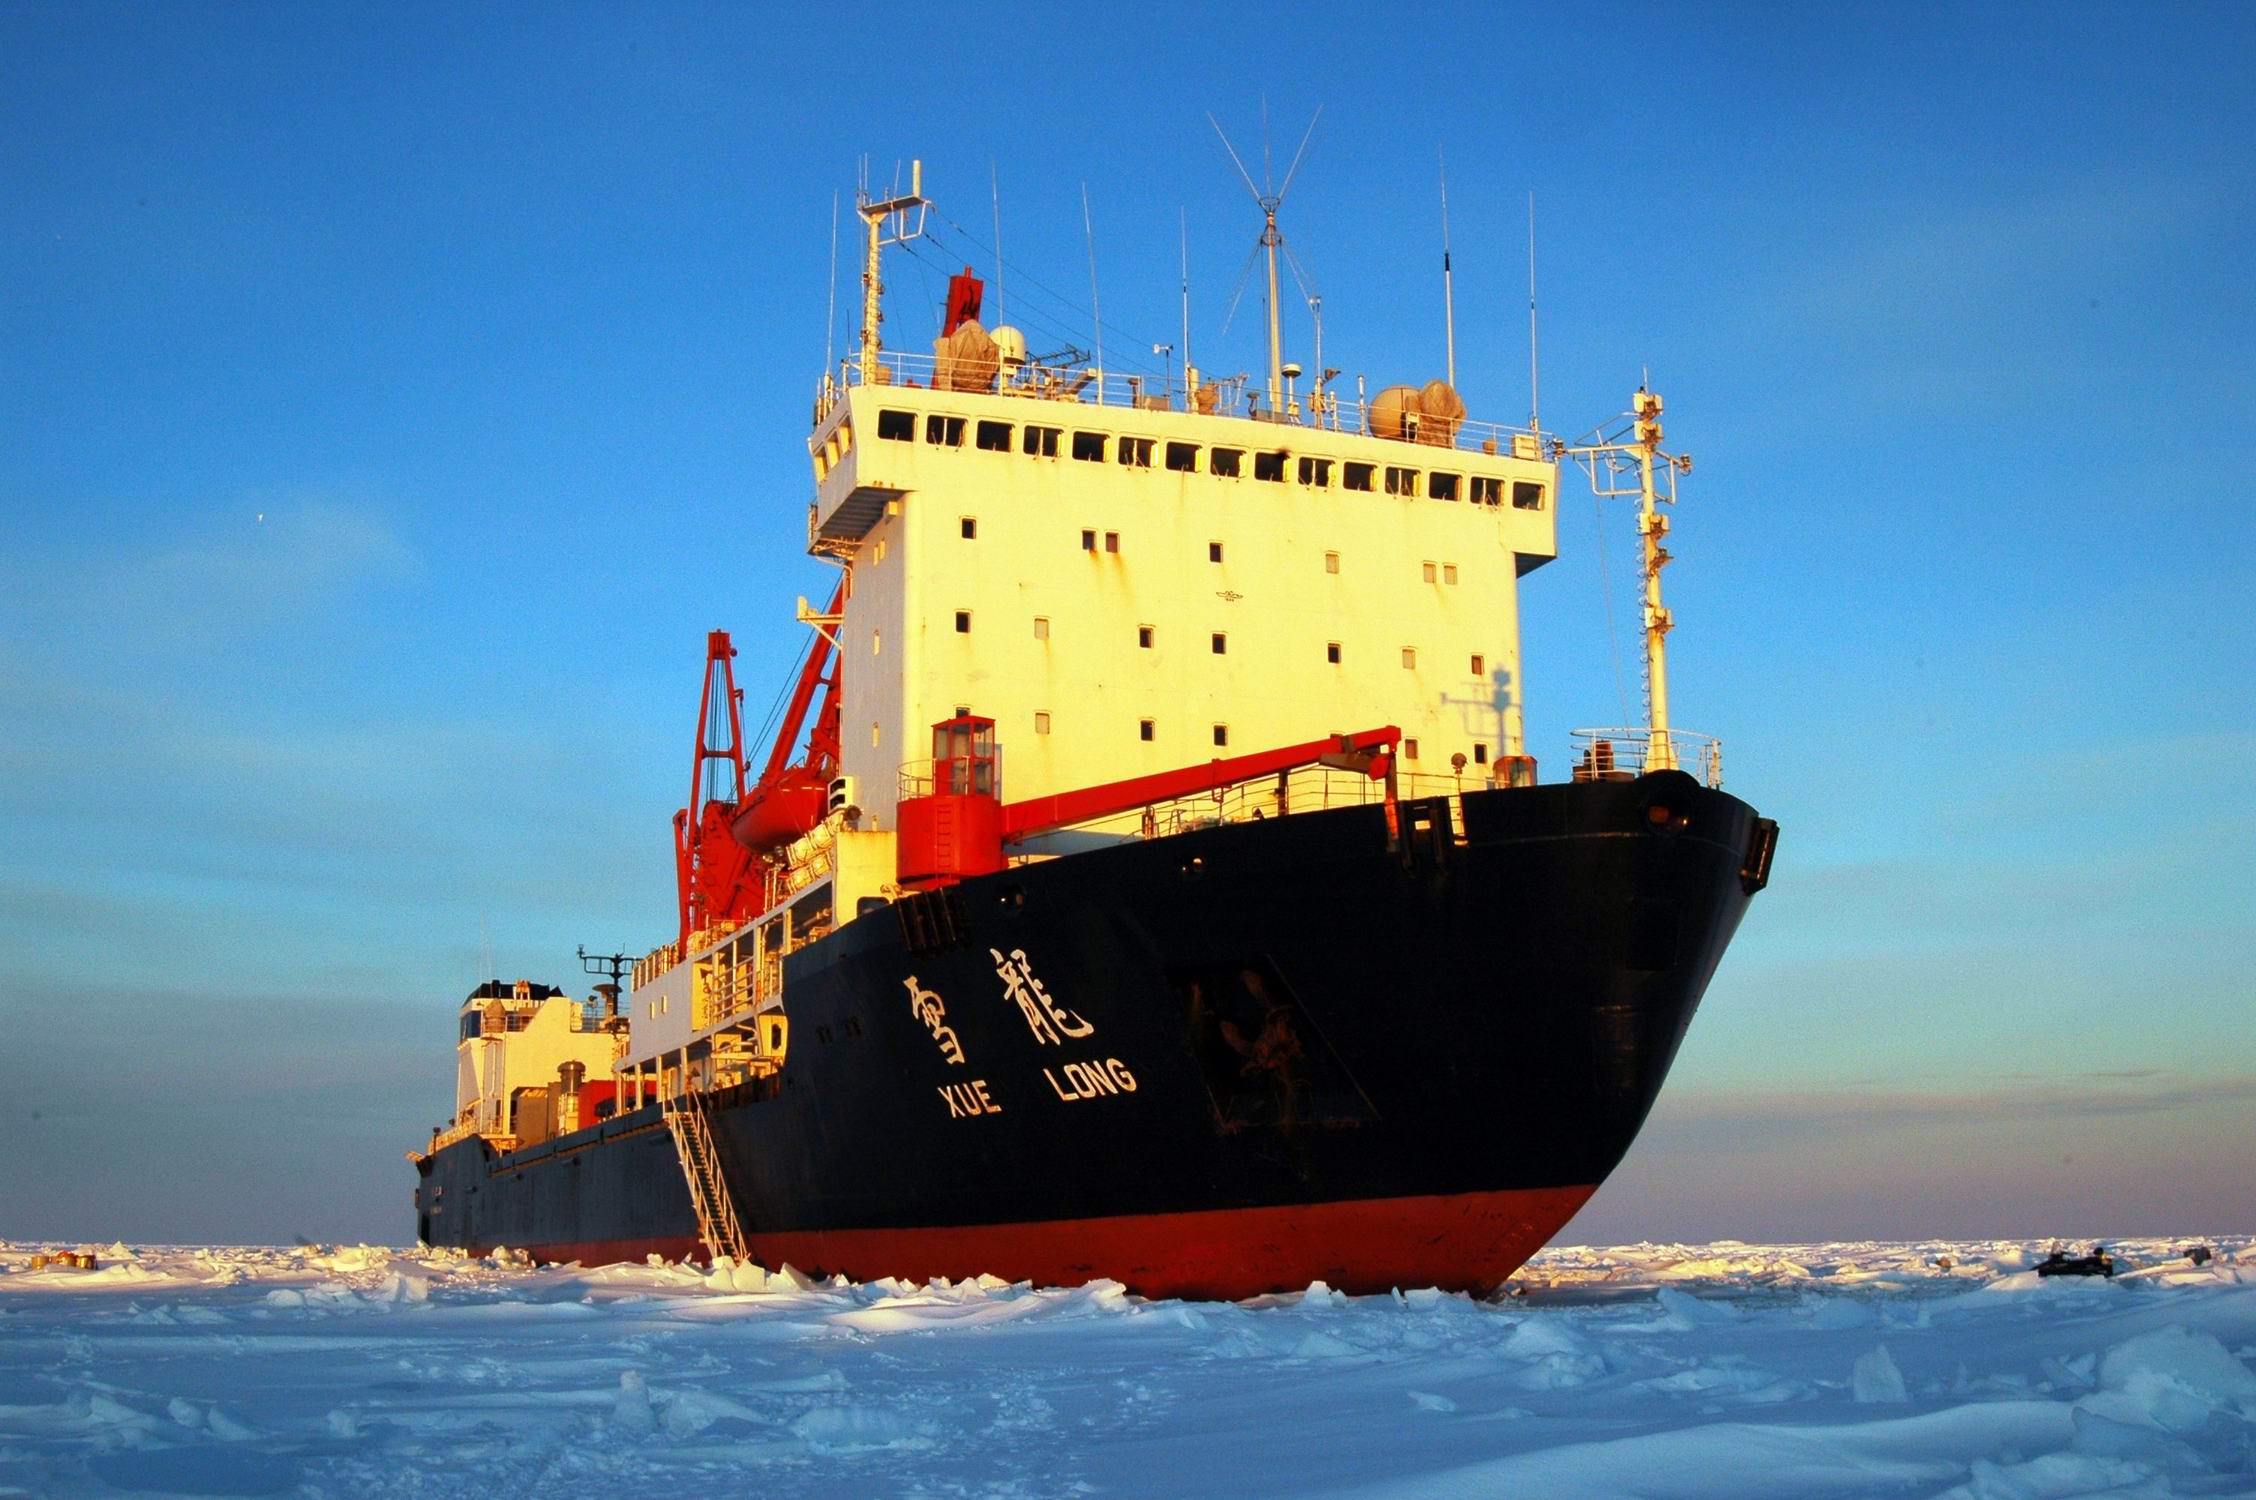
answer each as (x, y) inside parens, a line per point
(1279, 1047)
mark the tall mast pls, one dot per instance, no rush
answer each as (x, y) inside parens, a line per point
(1271, 239)
(874, 215)
(1651, 527)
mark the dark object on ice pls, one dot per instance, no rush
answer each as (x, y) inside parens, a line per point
(1942, 1263)
(2201, 1255)
(2061, 1263)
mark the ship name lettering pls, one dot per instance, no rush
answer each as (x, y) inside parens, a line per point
(929, 1008)
(1049, 1021)
(966, 1100)
(1099, 1079)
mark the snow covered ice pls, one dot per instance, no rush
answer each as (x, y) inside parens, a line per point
(1647, 1371)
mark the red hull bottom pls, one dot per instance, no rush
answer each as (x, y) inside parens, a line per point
(1458, 1241)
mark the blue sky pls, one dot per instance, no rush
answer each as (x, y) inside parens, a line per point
(390, 401)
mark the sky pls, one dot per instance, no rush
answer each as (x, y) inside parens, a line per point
(391, 399)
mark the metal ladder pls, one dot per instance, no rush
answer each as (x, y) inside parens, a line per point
(717, 1224)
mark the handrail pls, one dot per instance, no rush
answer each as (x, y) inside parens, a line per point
(1620, 754)
(1228, 397)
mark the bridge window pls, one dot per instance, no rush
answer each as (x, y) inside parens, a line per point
(1316, 472)
(1040, 442)
(1144, 636)
(992, 437)
(1487, 490)
(1183, 457)
(1401, 481)
(1089, 447)
(1270, 467)
(1213, 551)
(970, 527)
(963, 622)
(1441, 486)
(896, 426)
(1135, 452)
(1221, 643)
(1225, 461)
(1332, 652)
(1357, 476)
(945, 432)
(1526, 495)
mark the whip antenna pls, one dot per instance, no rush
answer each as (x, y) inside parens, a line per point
(1448, 298)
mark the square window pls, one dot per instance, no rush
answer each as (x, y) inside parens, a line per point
(970, 527)
(896, 426)
(1144, 636)
(1183, 457)
(1135, 452)
(1213, 551)
(1429, 572)
(945, 432)
(962, 709)
(1480, 665)
(1221, 734)
(1442, 486)
(1225, 461)
(1089, 447)
(1316, 472)
(1040, 442)
(1221, 644)
(1448, 572)
(1144, 730)
(1041, 628)
(992, 437)
(1332, 652)
(1480, 754)
(1041, 721)
(1331, 562)
(1410, 658)
(1357, 476)
(1088, 541)
(1526, 495)
(1487, 490)
(1409, 749)
(1401, 481)
(1112, 541)
(963, 622)
(1269, 467)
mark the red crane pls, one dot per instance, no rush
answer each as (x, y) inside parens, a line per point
(722, 840)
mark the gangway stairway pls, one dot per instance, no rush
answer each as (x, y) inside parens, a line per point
(717, 1223)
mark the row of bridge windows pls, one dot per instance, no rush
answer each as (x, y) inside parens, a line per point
(1269, 465)
(1217, 642)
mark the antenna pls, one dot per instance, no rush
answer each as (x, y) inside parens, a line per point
(1096, 310)
(1183, 218)
(830, 320)
(613, 967)
(995, 189)
(1535, 403)
(1448, 298)
(1271, 240)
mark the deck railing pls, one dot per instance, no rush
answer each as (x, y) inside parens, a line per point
(1620, 754)
(1235, 396)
